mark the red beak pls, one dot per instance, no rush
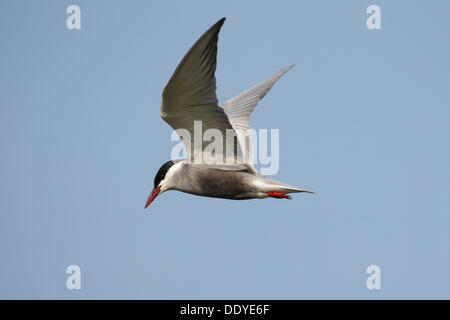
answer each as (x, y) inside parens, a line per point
(152, 196)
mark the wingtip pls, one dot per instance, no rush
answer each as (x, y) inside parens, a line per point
(283, 71)
(221, 21)
(289, 68)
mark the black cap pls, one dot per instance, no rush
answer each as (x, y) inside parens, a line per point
(161, 174)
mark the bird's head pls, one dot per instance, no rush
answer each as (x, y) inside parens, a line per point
(162, 181)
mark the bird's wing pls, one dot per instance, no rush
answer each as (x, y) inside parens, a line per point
(190, 96)
(241, 107)
(221, 167)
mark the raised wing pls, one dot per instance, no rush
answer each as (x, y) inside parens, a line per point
(190, 97)
(241, 107)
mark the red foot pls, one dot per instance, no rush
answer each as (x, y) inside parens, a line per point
(278, 195)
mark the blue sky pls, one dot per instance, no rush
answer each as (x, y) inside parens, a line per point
(363, 120)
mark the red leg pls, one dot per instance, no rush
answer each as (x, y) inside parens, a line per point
(278, 195)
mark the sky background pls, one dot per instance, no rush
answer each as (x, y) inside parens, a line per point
(364, 120)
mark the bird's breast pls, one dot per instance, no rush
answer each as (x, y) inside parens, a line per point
(219, 184)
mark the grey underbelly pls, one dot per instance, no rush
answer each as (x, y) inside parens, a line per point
(221, 184)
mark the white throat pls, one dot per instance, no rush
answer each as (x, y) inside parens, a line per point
(171, 177)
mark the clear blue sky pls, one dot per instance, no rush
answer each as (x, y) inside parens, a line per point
(364, 120)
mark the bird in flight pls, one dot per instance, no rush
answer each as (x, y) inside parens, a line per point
(189, 98)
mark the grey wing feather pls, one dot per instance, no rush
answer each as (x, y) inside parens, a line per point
(241, 107)
(190, 95)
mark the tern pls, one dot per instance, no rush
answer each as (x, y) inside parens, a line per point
(189, 97)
